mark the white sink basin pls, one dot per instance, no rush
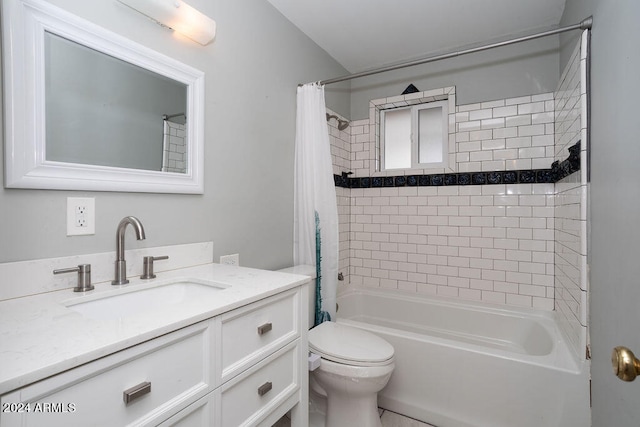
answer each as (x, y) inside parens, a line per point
(121, 303)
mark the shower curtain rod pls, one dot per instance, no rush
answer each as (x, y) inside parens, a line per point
(584, 25)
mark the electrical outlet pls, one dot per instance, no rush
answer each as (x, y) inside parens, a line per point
(81, 216)
(80, 219)
(233, 259)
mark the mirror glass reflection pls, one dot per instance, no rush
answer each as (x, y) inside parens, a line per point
(103, 111)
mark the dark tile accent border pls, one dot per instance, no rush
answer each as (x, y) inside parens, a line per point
(557, 171)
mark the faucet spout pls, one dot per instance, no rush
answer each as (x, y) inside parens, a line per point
(121, 263)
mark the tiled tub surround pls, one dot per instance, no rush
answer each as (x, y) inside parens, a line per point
(571, 239)
(440, 233)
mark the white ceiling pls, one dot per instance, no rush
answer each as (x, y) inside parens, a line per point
(364, 34)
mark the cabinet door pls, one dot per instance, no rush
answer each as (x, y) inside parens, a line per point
(176, 367)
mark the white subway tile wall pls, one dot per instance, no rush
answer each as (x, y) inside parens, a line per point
(571, 279)
(508, 134)
(487, 243)
(340, 141)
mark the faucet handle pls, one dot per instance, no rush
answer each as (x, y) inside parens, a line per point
(147, 266)
(84, 276)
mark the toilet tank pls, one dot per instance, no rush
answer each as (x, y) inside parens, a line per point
(307, 270)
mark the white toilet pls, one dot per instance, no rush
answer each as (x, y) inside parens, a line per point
(355, 365)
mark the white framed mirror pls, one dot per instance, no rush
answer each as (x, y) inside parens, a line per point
(87, 109)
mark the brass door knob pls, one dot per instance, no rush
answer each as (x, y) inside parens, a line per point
(625, 364)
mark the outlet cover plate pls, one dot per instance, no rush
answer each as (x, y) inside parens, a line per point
(233, 259)
(81, 216)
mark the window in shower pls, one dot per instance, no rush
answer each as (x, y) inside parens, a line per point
(414, 137)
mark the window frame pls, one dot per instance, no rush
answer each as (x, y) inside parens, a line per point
(427, 99)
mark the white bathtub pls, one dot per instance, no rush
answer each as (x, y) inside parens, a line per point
(469, 365)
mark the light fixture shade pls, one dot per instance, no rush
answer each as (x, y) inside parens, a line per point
(178, 16)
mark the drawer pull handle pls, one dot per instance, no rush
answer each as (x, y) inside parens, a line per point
(263, 329)
(133, 393)
(265, 388)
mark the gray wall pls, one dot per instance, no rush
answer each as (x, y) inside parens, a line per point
(252, 70)
(615, 200)
(522, 69)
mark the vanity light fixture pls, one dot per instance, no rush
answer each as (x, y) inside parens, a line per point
(179, 16)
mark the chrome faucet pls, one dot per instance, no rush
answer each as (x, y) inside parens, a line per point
(121, 263)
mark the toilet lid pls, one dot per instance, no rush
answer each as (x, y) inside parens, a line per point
(349, 345)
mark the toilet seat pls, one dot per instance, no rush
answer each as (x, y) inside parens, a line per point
(350, 346)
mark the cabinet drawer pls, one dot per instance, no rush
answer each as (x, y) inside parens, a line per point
(175, 365)
(251, 333)
(247, 399)
(198, 414)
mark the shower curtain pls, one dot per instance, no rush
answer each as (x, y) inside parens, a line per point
(315, 236)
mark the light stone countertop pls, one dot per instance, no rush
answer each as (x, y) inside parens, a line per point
(40, 336)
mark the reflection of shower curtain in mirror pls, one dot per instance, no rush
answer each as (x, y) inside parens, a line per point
(174, 148)
(315, 237)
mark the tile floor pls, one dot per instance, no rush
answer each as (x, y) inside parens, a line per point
(388, 419)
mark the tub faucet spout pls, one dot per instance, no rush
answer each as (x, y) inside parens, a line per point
(121, 263)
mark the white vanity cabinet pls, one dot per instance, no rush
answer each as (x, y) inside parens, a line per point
(243, 367)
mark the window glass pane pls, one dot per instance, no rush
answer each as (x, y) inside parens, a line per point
(397, 139)
(430, 135)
